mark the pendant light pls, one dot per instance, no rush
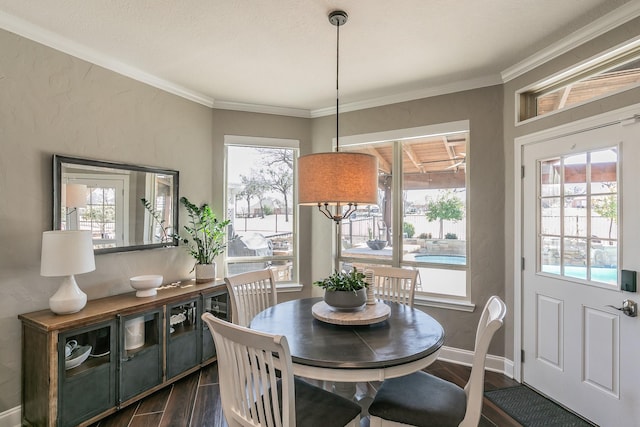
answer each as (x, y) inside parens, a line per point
(338, 178)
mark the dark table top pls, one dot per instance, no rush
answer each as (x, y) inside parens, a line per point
(408, 335)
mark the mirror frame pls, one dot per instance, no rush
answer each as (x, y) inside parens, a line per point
(58, 160)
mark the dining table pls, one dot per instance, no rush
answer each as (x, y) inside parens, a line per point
(405, 342)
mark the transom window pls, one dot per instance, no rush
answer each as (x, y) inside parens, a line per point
(612, 72)
(578, 212)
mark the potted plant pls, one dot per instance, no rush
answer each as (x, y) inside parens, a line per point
(344, 291)
(205, 239)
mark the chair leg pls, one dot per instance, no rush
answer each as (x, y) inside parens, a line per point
(354, 423)
(379, 422)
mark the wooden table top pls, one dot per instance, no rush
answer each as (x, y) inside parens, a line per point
(407, 335)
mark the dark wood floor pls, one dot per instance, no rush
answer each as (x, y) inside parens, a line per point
(195, 401)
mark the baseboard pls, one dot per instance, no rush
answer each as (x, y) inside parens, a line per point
(465, 357)
(11, 417)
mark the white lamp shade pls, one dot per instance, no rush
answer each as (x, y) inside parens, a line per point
(66, 252)
(338, 177)
(75, 195)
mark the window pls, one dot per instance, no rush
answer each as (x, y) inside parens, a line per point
(422, 194)
(607, 74)
(103, 212)
(259, 195)
(578, 211)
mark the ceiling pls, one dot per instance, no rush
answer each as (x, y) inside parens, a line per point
(279, 56)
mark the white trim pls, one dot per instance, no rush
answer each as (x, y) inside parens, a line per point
(447, 303)
(596, 28)
(459, 356)
(621, 115)
(11, 417)
(427, 92)
(255, 141)
(265, 109)
(407, 133)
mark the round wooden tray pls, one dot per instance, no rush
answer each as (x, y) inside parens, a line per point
(369, 315)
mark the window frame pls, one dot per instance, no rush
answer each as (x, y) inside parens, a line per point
(397, 136)
(526, 97)
(266, 142)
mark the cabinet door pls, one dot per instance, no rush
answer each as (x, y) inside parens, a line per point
(87, 383)
(218, 305)
(140, 353)
(183, 337)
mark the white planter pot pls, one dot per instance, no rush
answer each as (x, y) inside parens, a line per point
(205, 272)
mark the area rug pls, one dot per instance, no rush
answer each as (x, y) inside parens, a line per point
(532, 409)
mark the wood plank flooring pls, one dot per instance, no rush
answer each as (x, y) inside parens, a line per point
(194, 401)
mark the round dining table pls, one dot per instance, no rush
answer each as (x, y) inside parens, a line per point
(406, 342)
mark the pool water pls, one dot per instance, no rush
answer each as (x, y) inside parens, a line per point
(603, 275)
(442, 259)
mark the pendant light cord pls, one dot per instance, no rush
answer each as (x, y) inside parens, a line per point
(337, 87)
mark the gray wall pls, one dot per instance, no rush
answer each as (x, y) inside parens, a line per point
(511, 132)
(54, 103)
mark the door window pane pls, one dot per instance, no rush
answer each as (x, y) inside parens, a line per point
(578, 229)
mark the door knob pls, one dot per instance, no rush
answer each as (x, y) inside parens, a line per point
(630, 308)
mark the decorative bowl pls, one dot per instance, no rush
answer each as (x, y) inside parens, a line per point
(146, 286)
(77, 357)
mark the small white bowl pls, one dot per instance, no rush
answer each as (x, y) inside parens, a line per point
(146, 286)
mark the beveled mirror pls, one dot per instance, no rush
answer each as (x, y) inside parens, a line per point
(107, 198)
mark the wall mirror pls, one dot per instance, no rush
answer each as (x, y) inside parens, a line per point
(107, 198)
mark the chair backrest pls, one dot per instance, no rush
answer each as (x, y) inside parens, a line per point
(394, 284)
(491, 320)
(250, 293)
(250, 364)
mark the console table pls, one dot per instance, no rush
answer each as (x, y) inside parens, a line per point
(168, 341)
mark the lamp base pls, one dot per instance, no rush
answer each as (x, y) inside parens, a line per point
(68, 298)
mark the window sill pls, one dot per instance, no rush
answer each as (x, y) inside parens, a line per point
(446, 303)
(289, 287)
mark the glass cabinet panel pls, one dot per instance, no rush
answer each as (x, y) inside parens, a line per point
(87, 383)
(183, 342)
(140, 353)
(218, 305)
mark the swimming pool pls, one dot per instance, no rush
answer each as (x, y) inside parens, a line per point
(598, 274)
(443, 259)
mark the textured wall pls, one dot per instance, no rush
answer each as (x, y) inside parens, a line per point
(52, 103)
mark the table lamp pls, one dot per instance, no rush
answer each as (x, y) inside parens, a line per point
(65, 253)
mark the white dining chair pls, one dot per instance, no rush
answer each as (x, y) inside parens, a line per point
(421, 399)
(250, 293)
(394, 284)
(257, 386)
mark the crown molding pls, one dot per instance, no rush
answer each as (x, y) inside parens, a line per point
(55, 41)
(265, 109)
(427, 92)
(598, 27)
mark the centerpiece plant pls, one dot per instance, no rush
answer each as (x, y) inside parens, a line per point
(344, 290)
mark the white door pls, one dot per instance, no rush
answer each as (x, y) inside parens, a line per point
(581, 227)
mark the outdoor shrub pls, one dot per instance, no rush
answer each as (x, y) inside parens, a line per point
(452, 236)
(424, 236)
(409, 229)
